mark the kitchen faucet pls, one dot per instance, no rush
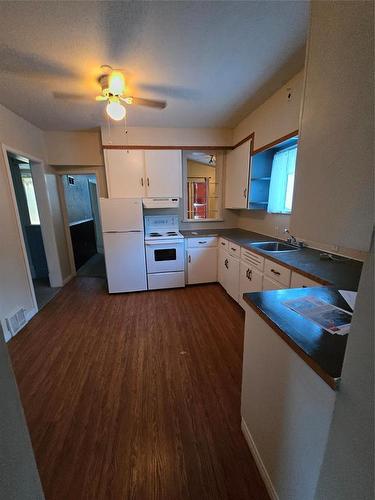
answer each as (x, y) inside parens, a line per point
(292, 239)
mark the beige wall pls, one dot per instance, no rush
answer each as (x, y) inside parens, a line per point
(74, 148)
(333, 197)
(275, 118)
(167, 136)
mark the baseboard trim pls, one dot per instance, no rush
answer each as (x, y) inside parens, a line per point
(259, 463)
(67, 279)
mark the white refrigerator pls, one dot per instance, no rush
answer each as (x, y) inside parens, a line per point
(123, 237)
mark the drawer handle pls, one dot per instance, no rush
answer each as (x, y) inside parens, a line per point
(234, 249)
(224, 244)
(202, 242)
(275, 272)
(245, 192)
(141, 181)
(249, 274)
(189, 259)
(226, 263)
(148, 182)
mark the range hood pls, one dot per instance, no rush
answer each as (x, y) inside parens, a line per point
(161, 202)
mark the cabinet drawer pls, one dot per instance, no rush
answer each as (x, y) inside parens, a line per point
(234, 250)
(223, 243)
(277, 272)
(210, 241)
(300, 281)
(252, 259)
(270, 284)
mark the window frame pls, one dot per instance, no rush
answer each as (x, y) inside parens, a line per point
(219, 179)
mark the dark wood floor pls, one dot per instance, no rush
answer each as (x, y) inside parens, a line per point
(136, 396)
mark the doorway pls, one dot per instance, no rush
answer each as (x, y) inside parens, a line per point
(84, 226)
(21, 170)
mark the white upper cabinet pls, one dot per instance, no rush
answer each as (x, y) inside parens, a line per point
(163, 173)
(125, 173)
(237, 176)
(136, 173)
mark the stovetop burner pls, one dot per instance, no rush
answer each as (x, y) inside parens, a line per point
(171, 233)
(155, 234)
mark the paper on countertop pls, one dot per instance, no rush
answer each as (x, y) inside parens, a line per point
(332, 318)
(350, 297)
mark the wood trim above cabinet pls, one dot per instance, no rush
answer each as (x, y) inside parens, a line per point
(208, 148)
(275, 142)
(247, 138)
(183, 148)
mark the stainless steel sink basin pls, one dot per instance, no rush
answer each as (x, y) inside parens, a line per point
(274, 246)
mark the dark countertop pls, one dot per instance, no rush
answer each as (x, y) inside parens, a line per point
(343, 275)
(321, 350)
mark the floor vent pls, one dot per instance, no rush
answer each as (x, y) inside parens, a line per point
(16, 321)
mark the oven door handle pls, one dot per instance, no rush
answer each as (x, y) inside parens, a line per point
(164, 242)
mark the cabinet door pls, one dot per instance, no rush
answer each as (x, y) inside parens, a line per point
(202, 265)
(163, 173)
(233, 278)
(269, 284)
(125, 173)
(251, 280)
(237, 176)
(221, 267)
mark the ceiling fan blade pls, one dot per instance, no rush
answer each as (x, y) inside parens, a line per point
(71, 96)
(140, 101)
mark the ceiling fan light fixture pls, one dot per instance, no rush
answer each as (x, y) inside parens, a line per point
(116, 111)
(116, 83)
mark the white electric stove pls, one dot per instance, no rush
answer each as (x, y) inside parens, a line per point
(164, 246)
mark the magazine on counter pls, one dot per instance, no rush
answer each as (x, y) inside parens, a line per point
(333, 319)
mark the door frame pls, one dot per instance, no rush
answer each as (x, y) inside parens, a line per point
(64, 209)
(6, 150)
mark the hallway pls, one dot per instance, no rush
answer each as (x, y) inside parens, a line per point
(136, 396)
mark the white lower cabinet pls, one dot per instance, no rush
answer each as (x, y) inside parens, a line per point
(202, 264)
(270, 284)
(229, 273)
(251, 280)
(233, 277)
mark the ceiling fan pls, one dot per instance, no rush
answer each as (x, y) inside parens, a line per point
(112, 82)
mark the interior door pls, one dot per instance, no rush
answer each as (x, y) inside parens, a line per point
(237, 176)
(125, 173)
(202, 265)
(251, 280)
(163, 173)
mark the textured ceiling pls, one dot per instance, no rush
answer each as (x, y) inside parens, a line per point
(212, 61)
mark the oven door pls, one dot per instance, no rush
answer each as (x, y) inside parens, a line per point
(162, 257)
